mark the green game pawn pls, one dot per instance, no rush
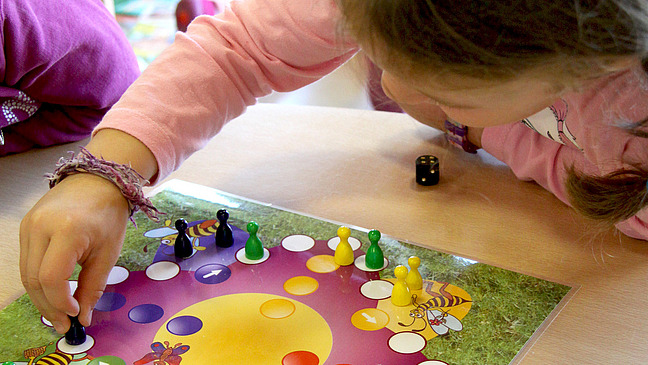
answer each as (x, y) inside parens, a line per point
(374, 258)
(8, 363)
(253, 246)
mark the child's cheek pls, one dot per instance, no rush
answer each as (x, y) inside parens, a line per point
(400, 92)
(426, 113)
(477, 117)
(470, 118)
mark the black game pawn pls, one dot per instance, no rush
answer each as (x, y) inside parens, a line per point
(182, 246)
(76, 335)
(224, 231)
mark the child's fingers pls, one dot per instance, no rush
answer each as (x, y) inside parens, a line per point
(92, 282)
(32, 254)
(24, 248)
(57, 265)
(30, 277)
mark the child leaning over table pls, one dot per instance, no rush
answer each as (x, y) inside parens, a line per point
(63, 65)
(570, 71)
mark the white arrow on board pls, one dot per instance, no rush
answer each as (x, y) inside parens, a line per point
(369, 318)
(212, 273)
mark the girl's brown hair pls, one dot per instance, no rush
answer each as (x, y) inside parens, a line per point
(499, 39)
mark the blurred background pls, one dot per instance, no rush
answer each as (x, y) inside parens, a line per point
(150, 26)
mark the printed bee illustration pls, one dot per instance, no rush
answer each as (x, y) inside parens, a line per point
(442, 322)
(163, 354)
(33, 353)
(431, 312)
(168, 233)
(56, 357)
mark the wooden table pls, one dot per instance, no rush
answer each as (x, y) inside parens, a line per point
(357, 167)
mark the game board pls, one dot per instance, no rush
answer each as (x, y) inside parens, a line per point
(295, 306)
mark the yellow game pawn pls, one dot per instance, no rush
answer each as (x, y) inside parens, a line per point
(414, 279)
(401, 295)
(343, 251)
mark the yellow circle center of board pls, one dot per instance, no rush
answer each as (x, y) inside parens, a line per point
(251, 328)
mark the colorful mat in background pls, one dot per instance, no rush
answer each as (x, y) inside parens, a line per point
(150, 26)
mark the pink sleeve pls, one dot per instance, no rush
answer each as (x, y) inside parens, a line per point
(531, 156)
(209, 75)
(535, 158)
(592, 140)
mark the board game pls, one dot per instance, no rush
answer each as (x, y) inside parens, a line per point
(293, 306)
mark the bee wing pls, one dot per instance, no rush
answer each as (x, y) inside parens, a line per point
(449, 321)
(453, 323)
(440, 329)
(160, 232)
(432, 315)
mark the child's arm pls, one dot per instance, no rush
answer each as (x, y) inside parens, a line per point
(222, 65)
(532, 156)
(589, 123)
(70, 59)
(207, 77)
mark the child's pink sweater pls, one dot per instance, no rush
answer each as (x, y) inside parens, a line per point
(222, 64)
(582, 129)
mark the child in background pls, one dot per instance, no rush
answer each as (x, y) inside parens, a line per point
(188, 10)
(63, 65)
(554, 89)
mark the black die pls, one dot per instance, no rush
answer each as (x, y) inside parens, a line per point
(427, 170)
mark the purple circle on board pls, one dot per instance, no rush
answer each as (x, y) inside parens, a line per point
(145, 313)
(213, 273)
(184, 325)
(110, 302)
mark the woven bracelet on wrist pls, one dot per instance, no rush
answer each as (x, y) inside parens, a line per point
(457, 135)
(124, 177)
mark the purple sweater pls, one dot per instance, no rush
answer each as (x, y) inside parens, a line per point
(63, 65)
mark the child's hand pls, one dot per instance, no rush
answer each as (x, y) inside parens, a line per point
(81, 220)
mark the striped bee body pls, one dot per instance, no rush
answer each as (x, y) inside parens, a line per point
(444, 302)
(204, 229)
(56, 358)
